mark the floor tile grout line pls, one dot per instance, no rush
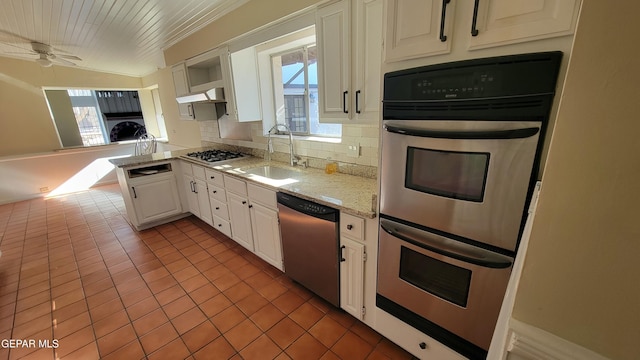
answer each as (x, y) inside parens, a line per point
(84, 296)
(191, 229)
(13, 326)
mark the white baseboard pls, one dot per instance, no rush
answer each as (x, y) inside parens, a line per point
(531, 343)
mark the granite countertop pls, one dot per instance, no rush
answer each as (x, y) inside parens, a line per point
(351, 194)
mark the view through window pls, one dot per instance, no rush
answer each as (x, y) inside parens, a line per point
(89, 119)
(295, 76)
(96, 117)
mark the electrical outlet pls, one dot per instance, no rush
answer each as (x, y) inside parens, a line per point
(353, 150)
(44, 189)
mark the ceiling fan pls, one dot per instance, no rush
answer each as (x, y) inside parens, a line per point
(46, 56)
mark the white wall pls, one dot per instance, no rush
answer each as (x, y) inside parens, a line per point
(580, 277)
(22, 177)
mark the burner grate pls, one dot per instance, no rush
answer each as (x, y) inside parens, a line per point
(215, 155)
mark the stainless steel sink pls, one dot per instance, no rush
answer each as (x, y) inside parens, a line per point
(272, 172)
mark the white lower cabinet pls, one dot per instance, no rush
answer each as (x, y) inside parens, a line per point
(240, 218)
(203, 201)
(352, 265)
(412, 340)
(190, 193)
(352, 277)
(222, 225)
(140, 187)
(253, 215)
(196, 191)
(265, 224)
(148, 205)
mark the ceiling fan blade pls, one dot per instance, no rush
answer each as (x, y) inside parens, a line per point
(9, 36)
(22, 53)
(68, 57)
(61, 61)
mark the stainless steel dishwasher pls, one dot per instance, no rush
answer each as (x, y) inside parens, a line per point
(310, 245)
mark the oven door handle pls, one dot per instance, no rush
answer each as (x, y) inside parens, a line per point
(469, 135)
(447, 247)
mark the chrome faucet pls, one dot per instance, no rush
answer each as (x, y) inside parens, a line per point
(293, 159)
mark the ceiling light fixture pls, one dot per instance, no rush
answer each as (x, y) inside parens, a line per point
(44, 61)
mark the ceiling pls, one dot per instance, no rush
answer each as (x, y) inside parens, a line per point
(116, 36)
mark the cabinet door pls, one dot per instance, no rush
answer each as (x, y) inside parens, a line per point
(227, 80)
(185, 111)
(266, 230)
(414, 28)
(367, 59)
(244, 69)
(240, 219)
(351, 276)
(203, 201)
(155, 198)
(332, 37)
(502, 22)
(181, 85)
(192, 197)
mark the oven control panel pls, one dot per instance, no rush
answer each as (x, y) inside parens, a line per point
(467, 85)
(503, 76)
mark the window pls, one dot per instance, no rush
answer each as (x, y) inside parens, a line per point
(86, 117)
(295, 82)
(89, 119)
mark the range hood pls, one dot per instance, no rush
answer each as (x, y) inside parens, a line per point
(211, 95)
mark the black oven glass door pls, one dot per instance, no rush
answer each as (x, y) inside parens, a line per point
(446, 281)
(467, 178)
(452, 174)
(457, 286)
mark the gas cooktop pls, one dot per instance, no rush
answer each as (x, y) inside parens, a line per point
(211, 156)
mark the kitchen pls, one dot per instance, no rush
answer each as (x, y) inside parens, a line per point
(561, 250)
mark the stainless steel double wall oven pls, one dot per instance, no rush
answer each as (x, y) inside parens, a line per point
(461, 144)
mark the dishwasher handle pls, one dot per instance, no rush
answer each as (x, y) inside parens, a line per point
(307, 207)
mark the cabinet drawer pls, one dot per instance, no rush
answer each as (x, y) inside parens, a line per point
(222, 225)
(214, 177)
(198, 172)
(352, 226)
(219, 209)
(262, 195)
(235, 186)
(218, 193)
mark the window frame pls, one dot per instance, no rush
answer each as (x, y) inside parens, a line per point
(89, 101)
(306, 91)
(283, 44)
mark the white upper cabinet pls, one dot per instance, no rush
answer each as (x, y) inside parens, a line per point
(418, 28)
(181, 85)
(349, 39)
(205, 71)
(180, 82)
(334, 69)
(501, 22)
(421, 28)
(245, 86)
(367, 59)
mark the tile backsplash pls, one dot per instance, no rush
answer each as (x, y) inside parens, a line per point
(316, 152)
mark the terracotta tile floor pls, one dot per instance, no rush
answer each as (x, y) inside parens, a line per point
(73, 271)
